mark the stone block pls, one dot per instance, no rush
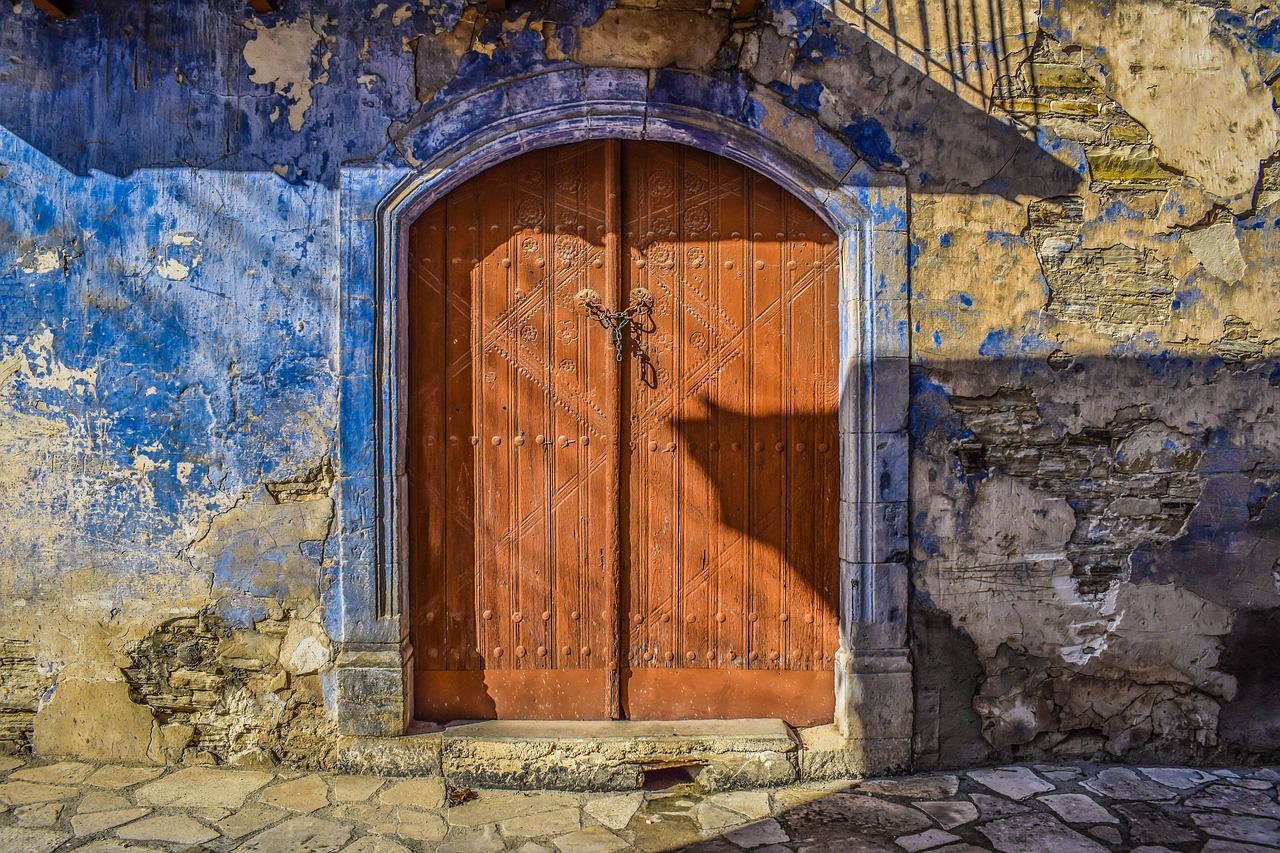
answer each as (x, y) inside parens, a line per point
(1053, 75)
(371, 701)
(1116, 165)
(880, 705)
(1085, 109)
(889, 394)
(97, 720)
(830, 756)
(197, 787)
(407, 755)
(878, 606)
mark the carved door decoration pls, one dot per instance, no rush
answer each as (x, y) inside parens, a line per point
(623, 462)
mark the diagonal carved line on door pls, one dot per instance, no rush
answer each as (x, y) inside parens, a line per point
(538, 517)
(558, 400)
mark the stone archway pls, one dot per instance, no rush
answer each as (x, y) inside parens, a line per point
(866, 209)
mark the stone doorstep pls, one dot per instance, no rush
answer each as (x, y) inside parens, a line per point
(677, 737)
(613, 755)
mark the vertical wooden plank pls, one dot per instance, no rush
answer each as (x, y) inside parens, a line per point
(460, 418)
(613, 566)
(826, 460)
(803, 321)
(531, 332)
(426, 432)
(772, 491)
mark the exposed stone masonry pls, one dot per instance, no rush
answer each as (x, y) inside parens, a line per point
(223, 696)
(19, 695)
(1131, 483)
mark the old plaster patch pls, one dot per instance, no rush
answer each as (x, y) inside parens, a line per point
(1217, 248)
(642, 38)
(282, 57)
(41, 260)
(45, 371)
(181, 257)
(1201, 96)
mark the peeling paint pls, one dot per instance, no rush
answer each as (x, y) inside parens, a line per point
(284, 57)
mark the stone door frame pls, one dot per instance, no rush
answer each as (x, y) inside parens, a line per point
(364, 588)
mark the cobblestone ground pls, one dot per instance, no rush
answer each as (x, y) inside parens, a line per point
(48, 806)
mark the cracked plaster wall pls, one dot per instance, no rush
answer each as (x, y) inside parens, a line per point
(1095, 345)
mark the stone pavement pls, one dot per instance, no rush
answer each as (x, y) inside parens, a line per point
(65, 805)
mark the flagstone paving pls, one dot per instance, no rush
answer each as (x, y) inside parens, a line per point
(53, 806)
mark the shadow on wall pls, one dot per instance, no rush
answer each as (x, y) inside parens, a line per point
(150, 85)
(1095, 548)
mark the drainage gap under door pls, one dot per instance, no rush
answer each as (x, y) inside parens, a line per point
(661, 778)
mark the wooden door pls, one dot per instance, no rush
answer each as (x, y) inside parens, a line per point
(512, 412)
(729, 586)
(650, 538)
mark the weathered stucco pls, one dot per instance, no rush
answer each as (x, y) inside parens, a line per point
(1093, 534)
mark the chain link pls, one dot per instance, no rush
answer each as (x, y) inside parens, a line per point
(617, 322)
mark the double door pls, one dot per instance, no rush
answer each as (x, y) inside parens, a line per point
(623, 462)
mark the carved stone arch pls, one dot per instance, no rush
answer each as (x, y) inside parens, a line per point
(365, 584)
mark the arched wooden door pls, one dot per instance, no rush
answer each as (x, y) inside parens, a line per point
(639, 523)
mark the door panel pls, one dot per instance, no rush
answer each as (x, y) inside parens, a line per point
(510, 448)
(729, 592)
(704, 465)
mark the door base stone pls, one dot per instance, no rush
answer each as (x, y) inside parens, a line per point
(613, 756)
(586, 756)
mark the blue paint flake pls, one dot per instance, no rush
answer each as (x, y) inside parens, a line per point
(867, 136)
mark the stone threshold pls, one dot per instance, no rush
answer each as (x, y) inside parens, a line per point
(586, 756)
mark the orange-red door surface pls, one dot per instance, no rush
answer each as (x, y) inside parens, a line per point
(652, 537)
